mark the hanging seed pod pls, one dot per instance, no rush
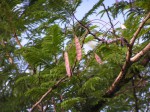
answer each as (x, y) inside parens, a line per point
(78, 48)
(98, 59)
(67, 64)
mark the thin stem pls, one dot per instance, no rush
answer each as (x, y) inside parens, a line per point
(17, 40)
(135, 97)
(53, 102)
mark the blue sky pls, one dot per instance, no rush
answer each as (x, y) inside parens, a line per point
(86, 5)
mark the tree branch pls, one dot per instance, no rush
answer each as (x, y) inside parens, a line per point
(117, 84)
(49, 91)
(139, 29)
(140, 54)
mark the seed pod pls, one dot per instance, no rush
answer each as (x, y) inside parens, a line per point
(98, 59)
(78, 48)
(67, 64)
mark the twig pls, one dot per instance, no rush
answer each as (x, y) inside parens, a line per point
(53, 102)
(112, 26)
(135, 97)
(61, 100)
(17, 40)
(110, 21)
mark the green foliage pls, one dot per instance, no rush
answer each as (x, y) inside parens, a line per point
(93, 9)
(67, 104)
(90, 84)
(53, 37)
(143, 4)
(46, 29)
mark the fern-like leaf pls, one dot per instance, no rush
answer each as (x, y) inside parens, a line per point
(93, 9)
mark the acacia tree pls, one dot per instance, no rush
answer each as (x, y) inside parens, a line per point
(52, 71)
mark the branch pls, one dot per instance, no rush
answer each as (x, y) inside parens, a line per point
(49, 91)
(112, 26)
(103, 40)
(140, 54)
(117, 84)
(139, 29)
(110, 21)
(17, 40)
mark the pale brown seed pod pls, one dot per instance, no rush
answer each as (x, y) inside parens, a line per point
(78, 48)
(98, 59)
(67, 64)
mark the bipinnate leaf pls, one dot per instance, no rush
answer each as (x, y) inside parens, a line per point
(78, 48)
(67, 64)
(98, 59)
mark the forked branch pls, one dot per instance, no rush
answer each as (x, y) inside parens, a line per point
(117, 84)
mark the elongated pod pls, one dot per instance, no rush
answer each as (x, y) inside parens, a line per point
(67, 65)
(98, 59)
(78, 48)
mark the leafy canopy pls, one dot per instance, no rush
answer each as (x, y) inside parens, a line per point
(112, 76)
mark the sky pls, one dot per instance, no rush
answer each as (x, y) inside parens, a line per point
(86, 5)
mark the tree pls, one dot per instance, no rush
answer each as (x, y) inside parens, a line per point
(52, 71)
